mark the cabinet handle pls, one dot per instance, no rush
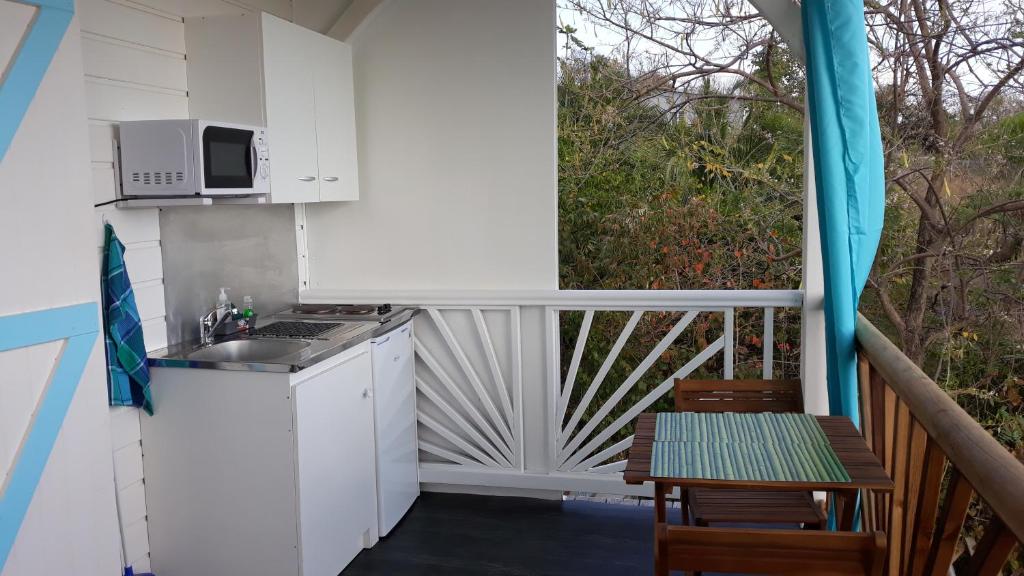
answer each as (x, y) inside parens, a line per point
(307, 178)
(367, 393)
(330, 178)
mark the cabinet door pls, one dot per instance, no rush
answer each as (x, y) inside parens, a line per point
(335, 121)
(336, 469)
(288, 71)
(394, 384)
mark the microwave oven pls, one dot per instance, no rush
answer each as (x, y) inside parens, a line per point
(175, 158)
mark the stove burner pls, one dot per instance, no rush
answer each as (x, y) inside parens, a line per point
(318, 309)
(297, 329)
(341, 309)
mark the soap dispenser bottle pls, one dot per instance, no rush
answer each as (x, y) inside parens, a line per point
(223, 304)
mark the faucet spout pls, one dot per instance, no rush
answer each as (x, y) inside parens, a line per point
(210, 322)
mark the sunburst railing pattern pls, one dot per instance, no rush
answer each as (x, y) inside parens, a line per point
(469, 382)
(594, 412)
(539, 389)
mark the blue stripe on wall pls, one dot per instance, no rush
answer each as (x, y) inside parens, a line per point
(78, 326)
(29, 64)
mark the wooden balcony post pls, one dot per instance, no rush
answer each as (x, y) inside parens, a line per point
(812, 320)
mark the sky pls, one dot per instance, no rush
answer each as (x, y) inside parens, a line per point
(605, 40)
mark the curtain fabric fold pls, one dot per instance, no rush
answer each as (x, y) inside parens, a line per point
(849, 177)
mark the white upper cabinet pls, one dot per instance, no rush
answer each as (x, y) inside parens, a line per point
(335, 117)
(260, 69)
(290, 112)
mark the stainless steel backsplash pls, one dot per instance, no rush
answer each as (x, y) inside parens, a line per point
(250, 249)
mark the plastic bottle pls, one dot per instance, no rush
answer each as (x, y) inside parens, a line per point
(249, 311)
(222, 300)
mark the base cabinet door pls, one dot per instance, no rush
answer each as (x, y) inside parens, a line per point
(394, 383)
(335, 466)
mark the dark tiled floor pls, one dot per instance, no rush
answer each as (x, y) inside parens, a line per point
(461, 535)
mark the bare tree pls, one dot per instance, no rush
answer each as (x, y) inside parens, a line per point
(945, 70)
(943, 67)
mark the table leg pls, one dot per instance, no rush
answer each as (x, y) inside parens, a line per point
(684, 505)
(660, 524)
(846, 509)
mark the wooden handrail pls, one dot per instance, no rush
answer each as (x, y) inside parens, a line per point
(990, 468)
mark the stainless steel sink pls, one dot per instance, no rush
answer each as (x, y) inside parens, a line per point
(260, 350)
(281, 349)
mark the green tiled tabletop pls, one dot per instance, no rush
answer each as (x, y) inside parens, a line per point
(730, 446)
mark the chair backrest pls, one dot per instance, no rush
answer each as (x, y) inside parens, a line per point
(738, 396)
(772, 551)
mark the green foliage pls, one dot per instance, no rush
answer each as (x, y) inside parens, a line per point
(710, 199)
(1006, 140)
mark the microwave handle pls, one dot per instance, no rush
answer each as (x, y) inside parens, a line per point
(252, 155)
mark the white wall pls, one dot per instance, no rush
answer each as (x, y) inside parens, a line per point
(455, 107)
(48, 260)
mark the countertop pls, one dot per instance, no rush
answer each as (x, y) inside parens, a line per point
(177, 356)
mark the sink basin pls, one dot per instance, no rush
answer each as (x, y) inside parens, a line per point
(248, 350)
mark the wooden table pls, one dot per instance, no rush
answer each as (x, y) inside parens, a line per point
(864, 469)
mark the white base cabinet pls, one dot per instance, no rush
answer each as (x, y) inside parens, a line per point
(254, 474)
(336, 469)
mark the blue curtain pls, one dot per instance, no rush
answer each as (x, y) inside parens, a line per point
(849, 177)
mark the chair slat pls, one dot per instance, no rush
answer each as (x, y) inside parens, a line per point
(951, 521)
(750, 385)
(740, 406)
(725, 395)
(738, 395)
(773, 551)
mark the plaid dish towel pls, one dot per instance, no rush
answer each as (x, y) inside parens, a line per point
(127, 372)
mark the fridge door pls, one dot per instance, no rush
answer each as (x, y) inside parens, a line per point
(395, 426)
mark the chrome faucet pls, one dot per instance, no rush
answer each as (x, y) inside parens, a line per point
(210, 322)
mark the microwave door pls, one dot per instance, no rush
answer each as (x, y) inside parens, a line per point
(228, 163)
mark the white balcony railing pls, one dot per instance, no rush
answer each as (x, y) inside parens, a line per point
(497, 408)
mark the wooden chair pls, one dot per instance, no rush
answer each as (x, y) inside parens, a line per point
(753, 506)
(767, 551)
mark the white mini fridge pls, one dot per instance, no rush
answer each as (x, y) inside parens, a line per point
(394, 404)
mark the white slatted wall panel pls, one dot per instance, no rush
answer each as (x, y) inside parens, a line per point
(134, 61)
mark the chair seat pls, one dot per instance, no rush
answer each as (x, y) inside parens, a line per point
(754, 506)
